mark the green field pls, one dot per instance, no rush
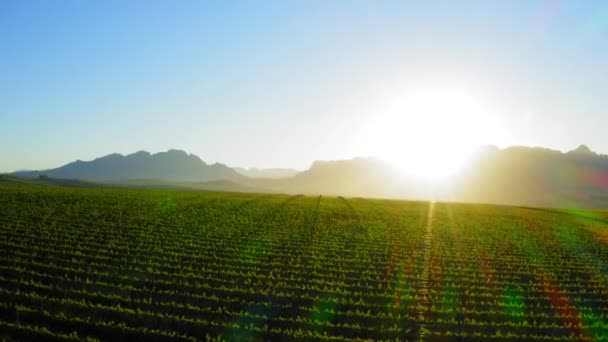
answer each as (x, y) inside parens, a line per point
(124, 264)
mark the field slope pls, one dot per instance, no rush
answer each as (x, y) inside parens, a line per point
(136, 264)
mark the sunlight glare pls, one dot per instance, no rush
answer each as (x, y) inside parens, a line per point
(431, 133)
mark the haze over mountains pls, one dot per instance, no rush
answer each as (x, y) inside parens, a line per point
(515, 175)
(266, 173)
(537, 177)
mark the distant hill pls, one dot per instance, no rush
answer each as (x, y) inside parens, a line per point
(535, 176)
(516, 175)
(367, 177)
(173, 165)
(266, 173)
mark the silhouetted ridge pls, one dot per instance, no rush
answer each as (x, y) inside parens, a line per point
(140, 154)
(172, 165)
(583, 149)
(536, 177)
(518, 175)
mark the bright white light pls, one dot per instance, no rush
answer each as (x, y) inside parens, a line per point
(431, 133)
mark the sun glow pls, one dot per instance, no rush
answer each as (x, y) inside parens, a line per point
(431, 133)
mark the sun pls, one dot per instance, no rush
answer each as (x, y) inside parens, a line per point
(431, 133)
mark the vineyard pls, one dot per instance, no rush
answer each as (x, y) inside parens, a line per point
(132, 264)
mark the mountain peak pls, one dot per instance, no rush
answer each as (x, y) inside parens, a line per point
(582, 149)
(141, 153)
(172, 165)
(177, 152)
(108, 157)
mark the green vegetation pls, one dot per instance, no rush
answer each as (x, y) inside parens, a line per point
(115, 264)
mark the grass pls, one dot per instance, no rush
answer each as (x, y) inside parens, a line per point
(112, 264)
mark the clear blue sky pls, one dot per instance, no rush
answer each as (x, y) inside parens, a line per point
(282, 83)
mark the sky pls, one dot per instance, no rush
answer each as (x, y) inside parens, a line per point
(284, 83)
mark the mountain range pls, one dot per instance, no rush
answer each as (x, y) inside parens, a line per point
(515, 175)
(535, 177)
(173, 165)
